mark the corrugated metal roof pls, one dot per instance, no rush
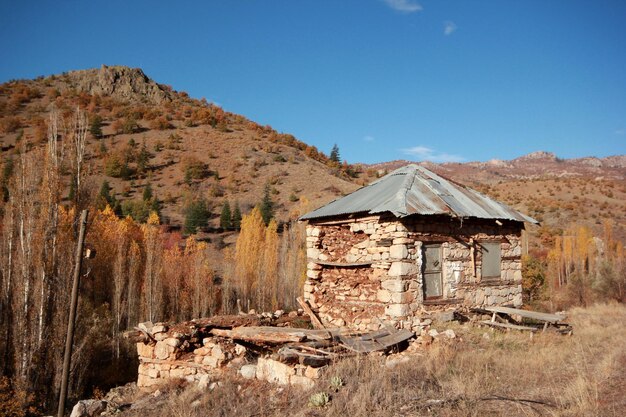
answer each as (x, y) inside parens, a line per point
(413, 189)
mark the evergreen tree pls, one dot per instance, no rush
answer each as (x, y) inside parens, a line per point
(334, 154)
(196, 216)
(225, 217)
(143, 158)
(236, 217)
(7, 171)
(267, 206)
(95, 127)
(105, 197)
(147, 192)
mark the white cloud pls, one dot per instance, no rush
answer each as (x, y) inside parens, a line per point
(404, 6)
(449, 27)
(368, 138)
(427, 154)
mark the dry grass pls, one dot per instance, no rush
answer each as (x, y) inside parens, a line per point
(507, 374)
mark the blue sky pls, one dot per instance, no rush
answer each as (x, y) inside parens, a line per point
(455, 80)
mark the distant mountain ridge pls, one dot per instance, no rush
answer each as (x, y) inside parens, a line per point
(533, 165)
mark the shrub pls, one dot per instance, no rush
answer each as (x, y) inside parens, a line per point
(160, 123)
(9, 124)
(194, 169)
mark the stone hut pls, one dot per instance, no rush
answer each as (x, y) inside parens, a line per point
(407, 244)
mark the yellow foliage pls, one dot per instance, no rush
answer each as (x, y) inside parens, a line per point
(153, 218)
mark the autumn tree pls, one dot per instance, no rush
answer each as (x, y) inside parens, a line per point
(153, 288)
(248, 256)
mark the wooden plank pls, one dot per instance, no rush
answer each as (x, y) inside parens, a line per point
(249, 334)
(508, 326)
(317, 323)
(358, 344)
(552, 318)
(442, 301)
(340, 264)
(268, 334)
(260, 334)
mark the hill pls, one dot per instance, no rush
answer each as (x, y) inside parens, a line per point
(190, 148)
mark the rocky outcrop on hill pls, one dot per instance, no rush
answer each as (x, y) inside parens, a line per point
(120, 82)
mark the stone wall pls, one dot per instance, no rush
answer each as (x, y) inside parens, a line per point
(175, 355)
(368, 272)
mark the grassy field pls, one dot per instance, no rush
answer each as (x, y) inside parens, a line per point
(480, 373)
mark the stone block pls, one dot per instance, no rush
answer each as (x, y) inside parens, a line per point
(274, 371)
(159, 337)
(160, 328)
(314, 266)
(312, 274)
(173, 342)
(144, 350)
(153, 373)
(398, 252)
(89, 408)
(177, 373)
(314, 373)
(143, 369)
(400, 269)
(395, 285)
(401, 297)
(443, 316)
(313, 253)
(218, 353)
(363, 245)
(162, 350)
(397, 310)
(384, 296)
(211, 361)
(402, 241)
(248, 371)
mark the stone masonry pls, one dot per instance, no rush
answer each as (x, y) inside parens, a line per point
(367, 272)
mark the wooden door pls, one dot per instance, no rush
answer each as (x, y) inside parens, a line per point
(432, 271)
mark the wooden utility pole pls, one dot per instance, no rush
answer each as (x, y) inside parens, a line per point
(69, 340)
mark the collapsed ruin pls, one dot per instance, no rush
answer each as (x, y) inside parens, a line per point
(408, 243)
(266, 347)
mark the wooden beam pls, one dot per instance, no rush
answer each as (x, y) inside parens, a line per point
(269, 334)
(508, 326)
(340, 264)
(535, 315)
(315, 321)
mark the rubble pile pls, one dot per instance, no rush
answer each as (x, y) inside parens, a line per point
(265, 347)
